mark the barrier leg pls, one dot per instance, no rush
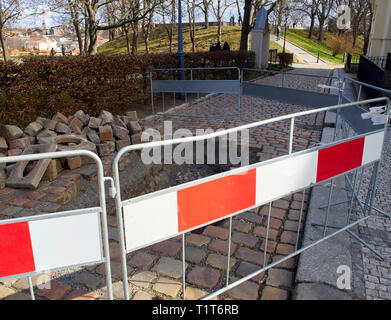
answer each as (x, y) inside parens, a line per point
(31, 288)
(183, 267)
(267, 234)
(328, 207)
(229, 250)
(300, 216)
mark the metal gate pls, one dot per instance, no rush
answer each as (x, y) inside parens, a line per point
(30, 245)
(286, 91)
(189, 206)
(196, 81)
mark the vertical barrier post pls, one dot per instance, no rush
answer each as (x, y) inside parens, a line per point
(119, 213)
(267, 234)
(300, 217)
(292, 126)
(184, 266)
(359, 93)
(229, 250)
(31, 288)
(151, 84)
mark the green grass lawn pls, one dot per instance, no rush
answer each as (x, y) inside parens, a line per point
(299, 37)
(159, 41)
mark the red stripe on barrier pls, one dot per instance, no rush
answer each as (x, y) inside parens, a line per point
(215, 199)
(338, 159)
(16, 252)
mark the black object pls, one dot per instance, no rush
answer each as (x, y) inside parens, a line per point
(388, 61)
(226, 46)
(218, 46)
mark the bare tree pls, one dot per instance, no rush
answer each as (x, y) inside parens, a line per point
(219, 7)
(147, 23)
(168, 10)
(10, 10)
(248, 25)
(93, 12)
(366, 24)
(204, 6)
(309, 9)
(323, 11)
(190, 6)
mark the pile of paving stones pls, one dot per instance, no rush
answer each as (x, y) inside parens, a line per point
(103, 135)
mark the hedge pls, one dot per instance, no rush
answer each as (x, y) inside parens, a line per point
(41, 86)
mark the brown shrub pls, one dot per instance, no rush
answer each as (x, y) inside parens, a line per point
(337, 44)
(41, 86)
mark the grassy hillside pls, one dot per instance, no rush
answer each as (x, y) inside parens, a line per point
(159, 41)
(299, 37)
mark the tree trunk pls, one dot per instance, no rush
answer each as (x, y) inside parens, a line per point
(76, 25)
(240, 20)
(93, 45)
(311, 30)
(126, 31)
(321, 28)
(206, 18)
(245, 26)
(219, 30)
(86, 34)
(135, 38)
(4, 47)
(367, 34)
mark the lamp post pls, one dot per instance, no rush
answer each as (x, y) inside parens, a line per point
(180, 54)
(286, 22)
(346, 45)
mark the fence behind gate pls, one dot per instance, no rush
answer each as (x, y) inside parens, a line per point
(147, 219)
(182, 82)
(287, 91)
(56, 241)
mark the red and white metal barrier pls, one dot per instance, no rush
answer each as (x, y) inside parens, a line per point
(54, 241)
(207, 200)
(160, 215)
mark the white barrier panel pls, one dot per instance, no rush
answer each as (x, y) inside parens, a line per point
(50, 243)
(192, 205)
(55, 241)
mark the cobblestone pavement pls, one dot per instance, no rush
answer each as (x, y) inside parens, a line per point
(156, 271)
(372, 276)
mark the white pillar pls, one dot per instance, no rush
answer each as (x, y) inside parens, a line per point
(260, 39)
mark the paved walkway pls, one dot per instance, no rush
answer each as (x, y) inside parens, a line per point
(156, 271)
(306, 59)
(302, 54)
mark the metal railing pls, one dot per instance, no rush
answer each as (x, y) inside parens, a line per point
(379, 61)
(121, 205)
(188, 83)
(103, 228)
(273, 59)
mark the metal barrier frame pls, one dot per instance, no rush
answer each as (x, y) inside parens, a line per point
(174, 86)
(352, 117)
(252, 89)
(290, 95)
(120, 204)
(102, 209)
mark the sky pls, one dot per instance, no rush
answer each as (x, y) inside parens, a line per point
(51, 19)
(29, 19)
